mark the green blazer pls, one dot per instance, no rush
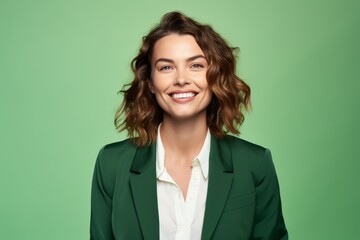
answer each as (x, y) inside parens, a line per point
(243, 199)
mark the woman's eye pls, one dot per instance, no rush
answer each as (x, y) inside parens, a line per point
(165, 68)
(196, 65)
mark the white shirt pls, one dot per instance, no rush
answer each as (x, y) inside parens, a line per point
(179, 219)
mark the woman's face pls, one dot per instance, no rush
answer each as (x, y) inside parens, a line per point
(178, 77)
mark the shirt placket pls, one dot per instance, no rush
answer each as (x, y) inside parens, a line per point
(185, 210)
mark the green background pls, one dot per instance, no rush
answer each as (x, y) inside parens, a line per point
(62, 63)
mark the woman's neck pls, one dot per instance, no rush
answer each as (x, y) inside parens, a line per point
(183, 137)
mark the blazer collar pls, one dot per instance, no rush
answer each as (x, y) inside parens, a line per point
(143, 187)
(220, 181)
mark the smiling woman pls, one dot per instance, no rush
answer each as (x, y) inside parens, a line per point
(178, 78)
(179, 175)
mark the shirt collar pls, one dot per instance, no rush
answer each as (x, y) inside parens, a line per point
(203, 155)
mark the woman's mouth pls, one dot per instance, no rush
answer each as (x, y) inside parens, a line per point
(183, 95)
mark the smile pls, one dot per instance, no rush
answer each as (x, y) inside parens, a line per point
(183, 95)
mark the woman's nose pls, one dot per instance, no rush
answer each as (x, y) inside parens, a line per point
(181, 79)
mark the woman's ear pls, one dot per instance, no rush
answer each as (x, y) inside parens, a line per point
(151, 87)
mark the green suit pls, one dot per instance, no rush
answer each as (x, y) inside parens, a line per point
(243, 199)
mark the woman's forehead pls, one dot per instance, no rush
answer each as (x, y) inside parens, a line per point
(176, 46)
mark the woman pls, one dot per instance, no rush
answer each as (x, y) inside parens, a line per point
(179, 176)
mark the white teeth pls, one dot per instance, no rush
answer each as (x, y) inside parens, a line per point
(183, 95)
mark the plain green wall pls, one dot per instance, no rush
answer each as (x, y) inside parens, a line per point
(62, 63)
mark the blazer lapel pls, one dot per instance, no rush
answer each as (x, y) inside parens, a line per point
(143, 187)
(220, 180)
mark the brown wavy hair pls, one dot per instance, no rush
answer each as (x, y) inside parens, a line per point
(231, 95)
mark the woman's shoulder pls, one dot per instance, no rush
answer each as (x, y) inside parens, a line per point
(116, 155)
(242, 146)
(117, 149)
(121, 147)
(246, 154)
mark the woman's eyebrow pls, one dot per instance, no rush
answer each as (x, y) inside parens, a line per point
(195, 57)
(172, 61)
(164, 60)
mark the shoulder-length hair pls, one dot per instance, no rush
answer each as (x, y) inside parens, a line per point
(231, 95)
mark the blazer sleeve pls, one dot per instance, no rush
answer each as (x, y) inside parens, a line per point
(101, 205)
(269, 221)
